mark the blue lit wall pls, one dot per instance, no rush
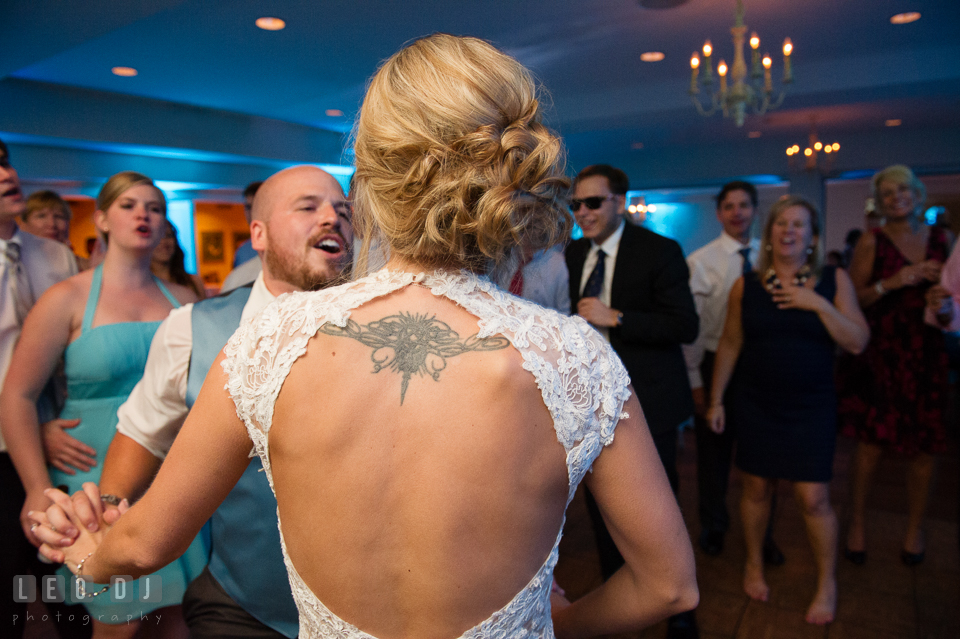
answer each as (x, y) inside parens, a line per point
(688, 215)
(180, 214)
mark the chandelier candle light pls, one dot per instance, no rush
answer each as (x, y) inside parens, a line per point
(814, 148)
(755, 94)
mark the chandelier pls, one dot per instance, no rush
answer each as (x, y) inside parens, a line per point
(754, 93)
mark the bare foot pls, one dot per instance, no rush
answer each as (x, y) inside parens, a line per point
(824, 605)
(915, 542)
(856, 541)
(754, 584)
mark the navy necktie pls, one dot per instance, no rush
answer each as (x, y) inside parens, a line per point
(747, 266)
(595, 282)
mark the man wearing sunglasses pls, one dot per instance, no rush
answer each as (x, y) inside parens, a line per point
(632, 285)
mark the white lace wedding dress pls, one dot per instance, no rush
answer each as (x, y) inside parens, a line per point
(583, 384)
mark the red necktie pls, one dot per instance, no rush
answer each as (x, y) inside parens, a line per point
(516, 284)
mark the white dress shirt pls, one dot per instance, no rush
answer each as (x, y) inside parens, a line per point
(46, 263)
(714, 268)
(156, 409)
(610, 247)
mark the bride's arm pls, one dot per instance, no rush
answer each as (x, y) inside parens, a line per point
(634, 496)
(205, 462)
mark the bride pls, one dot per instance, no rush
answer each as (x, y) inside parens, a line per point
(423, 431)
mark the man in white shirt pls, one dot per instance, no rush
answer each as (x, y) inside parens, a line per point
(302, 231)
(714, 268)
(29, 265)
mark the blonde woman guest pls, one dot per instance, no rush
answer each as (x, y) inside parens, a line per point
(892, 397)
(48, 215)
(407, 406)
(101, 321)
(784, 322)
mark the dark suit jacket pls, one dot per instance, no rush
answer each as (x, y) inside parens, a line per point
(651, 288)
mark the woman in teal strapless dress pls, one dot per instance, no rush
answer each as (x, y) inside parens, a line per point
(102, 322)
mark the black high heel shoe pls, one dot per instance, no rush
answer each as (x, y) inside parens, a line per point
(912, 558)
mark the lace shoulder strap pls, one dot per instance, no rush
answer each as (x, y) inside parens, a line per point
(583, 383)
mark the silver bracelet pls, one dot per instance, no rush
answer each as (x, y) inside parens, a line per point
(878, 287)
(82, 589)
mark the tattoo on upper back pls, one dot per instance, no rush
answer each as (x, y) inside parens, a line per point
(412, 343)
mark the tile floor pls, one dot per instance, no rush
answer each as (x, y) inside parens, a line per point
(882, 599)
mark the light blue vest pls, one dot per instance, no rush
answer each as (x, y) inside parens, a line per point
(245, 556)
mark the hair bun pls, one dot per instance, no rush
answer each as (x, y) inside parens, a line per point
(454, 167)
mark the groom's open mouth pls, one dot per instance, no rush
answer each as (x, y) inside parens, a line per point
(330, 243)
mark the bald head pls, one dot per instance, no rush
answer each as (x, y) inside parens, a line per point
(302, 227)
(288, 183)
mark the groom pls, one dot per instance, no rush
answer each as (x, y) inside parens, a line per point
(301, 228)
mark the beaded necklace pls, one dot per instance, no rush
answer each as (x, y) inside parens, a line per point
(771, 282)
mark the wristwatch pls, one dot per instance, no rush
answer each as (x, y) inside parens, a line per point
(619, 318)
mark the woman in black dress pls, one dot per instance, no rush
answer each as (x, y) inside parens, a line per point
(783, 324)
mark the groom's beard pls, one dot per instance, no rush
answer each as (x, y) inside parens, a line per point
(306, 274)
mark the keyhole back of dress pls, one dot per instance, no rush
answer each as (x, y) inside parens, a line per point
(434, 482)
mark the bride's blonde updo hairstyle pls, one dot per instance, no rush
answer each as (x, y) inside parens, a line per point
(454, 167)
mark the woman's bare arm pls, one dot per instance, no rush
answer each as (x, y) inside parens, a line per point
(843, 319)
(634, 496)
(45, 335)
(205, 462)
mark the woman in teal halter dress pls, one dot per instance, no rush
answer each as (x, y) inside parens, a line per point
(102, 366)
(104, 343)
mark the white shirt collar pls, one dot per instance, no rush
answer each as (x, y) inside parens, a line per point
(260, 298)
(15, 239)
(732, 245)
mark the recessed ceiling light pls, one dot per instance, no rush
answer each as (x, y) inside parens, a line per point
(894, 122)
(905, 18)
(652, 56)
(271, 24)
(126, 72)
(636, 146)
(334, 113)
(754, 134)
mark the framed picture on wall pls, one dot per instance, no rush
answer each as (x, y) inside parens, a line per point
(239, 238)
(211, 247)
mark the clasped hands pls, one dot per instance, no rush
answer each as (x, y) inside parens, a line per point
(73, 527)
(912, 274)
